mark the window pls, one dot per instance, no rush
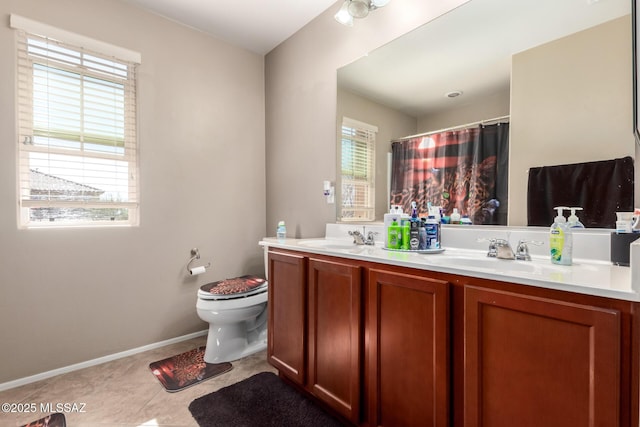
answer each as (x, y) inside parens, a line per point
(76, 134)
(358, 171)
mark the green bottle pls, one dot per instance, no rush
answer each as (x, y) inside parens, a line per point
(394, 235)
(406, 234)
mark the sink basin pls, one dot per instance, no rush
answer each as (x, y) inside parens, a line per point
(500, 265)
(328, 244)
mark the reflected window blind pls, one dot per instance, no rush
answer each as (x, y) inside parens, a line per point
(76, 135)
(358, 170)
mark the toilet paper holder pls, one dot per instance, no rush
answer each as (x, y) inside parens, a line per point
(195, 254)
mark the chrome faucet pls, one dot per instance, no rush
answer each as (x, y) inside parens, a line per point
(371, 238)
(503, 249)
(359, 239)
(499, 248)
(522, 250)
(493, 250)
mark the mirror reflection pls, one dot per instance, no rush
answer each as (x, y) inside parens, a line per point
(561, 71)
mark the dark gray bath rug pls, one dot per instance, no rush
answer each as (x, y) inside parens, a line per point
(261, 400)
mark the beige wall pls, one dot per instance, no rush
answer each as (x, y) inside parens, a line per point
(300, 79)
(391, 125)
(571, 101)
(71, 295)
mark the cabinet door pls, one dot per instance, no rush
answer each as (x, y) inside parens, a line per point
(335, 335)
(408, 350)
(539, 362)
(287, 307)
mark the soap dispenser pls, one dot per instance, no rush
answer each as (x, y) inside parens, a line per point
(560, 239)
(574, 221)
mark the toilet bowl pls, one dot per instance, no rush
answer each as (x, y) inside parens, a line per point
(236, 311)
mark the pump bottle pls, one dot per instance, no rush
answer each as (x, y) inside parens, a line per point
(574, 221)
(560, 239)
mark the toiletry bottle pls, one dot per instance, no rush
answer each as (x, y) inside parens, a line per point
(560, 239)
(433, 232)
(406, 234)
(436, 211)
(414, 228)
(422, 234)
(281, 232)
(635, 227)
(574, 221)
(414, 236)
(465, 220)
(394, 235)
(388, 219)
(455, 216)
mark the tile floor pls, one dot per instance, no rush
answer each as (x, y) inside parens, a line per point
(124, 393)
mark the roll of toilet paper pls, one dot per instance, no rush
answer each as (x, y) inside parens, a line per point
(197, 270)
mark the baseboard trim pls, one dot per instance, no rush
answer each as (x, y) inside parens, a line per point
(93, 362)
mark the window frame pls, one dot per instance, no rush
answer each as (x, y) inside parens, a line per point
(363, 176)
(121, 153)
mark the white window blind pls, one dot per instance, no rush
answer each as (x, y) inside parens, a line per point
(76, 135)
(358, 171)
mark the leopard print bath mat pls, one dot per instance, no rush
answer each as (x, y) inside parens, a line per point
(186, 369)
(53, 420)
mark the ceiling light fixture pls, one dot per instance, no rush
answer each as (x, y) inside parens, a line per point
(357, 9)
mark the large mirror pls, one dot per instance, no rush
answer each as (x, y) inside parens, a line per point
(562, 71)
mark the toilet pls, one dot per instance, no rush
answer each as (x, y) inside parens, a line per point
(236, 310)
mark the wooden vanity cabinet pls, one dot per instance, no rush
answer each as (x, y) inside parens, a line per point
(392, 346)
(287, 309)
(315, 327)
(335, 335)
(408, 350)
(540, 361)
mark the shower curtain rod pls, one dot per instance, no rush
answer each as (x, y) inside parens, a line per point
(480, 122)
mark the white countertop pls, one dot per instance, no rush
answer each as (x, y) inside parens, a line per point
(585, 276)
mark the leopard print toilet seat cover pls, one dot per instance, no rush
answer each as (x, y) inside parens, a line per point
(237, 287)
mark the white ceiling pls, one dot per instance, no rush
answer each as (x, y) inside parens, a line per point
(256, 25)
(468, 49)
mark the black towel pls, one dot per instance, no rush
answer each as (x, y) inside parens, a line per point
(601, 188)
